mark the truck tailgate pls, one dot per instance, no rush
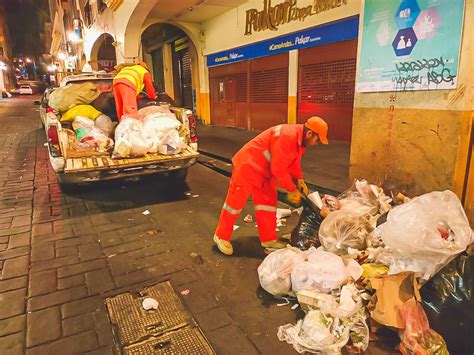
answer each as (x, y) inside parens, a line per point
(78, 165)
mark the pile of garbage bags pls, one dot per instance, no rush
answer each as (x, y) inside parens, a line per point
(86, 116)
(156, 131)
(363, 257)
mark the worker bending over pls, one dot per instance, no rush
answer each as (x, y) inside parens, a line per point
(128, 84)
(270, 159)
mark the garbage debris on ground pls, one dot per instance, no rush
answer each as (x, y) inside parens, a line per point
(153, 231)
(248, 218)
(149, 303)
(185, 292)
(197, 258)
(146, 212)
(236, 227)
(364, 254)
(417, 336)
(283, 213)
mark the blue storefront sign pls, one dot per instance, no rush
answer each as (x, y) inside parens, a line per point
(334, 32)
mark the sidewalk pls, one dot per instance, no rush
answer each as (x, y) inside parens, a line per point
(325, 166)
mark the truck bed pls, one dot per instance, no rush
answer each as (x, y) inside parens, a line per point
(79, 165)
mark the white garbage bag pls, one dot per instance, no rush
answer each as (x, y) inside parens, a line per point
(424, 234)
(170, 143)
(274, 272)
(105, 124)
(82, 123)
(345, 229)
(161, 132)
(316, 333)
(130, 139)
(318, 271)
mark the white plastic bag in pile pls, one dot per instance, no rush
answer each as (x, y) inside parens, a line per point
(274, 272)
(344, 229)
(130, 139)
(105, 124)
(161, 132)
(170, 143)
(318, 271)
(423, 234)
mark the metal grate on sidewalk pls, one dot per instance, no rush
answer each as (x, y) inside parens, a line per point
(170, 329)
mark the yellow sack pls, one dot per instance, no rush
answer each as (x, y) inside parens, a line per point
(80, 110)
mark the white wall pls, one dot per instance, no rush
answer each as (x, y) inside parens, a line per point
(226, 31)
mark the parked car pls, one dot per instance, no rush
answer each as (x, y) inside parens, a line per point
(72, 169)
(26, 90)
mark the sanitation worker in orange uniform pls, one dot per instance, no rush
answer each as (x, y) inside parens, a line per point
(128, 84)
(270, 159)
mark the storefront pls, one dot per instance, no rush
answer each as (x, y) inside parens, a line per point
(287, 78)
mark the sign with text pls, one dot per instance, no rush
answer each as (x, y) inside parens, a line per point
(334, 32)
(410, 45)
(273, 16)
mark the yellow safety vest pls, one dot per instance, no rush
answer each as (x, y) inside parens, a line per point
(134, 74)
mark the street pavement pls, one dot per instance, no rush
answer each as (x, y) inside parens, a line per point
(62, 254)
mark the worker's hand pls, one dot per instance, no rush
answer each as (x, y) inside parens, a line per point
(302, 187)
(294, 197)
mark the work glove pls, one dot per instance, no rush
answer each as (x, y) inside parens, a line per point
(294, 197)
(302, 187)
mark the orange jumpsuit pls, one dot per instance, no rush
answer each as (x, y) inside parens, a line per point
(125, 94)
(271, 158)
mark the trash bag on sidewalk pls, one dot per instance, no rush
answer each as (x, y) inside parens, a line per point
(318, 271)
(305, 234)
(364, 198)
(448, 299)
(344, 229)
(418, 337)
(274, 272)
(426, 232)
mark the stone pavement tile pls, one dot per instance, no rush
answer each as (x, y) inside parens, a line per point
(13, 325)
(87, 305)
(105, 350)
(3, 247)
(21, 221)
(13, 284)
(56, 298)
(108, 240)
(199, 298)
(71, 281)
(137, 229)
(60, 252)
(148, 261)
(183, 277)
(19, 240)
(13, 253)
(5, 226)
(100, 219)
(76, 344)
(76, 241)
(124, 248)
(12, 303)
(15, 267)
(42, 229)
(42, 251)
(99, 281)
(12, 231)
(121, 264)
(221, 337)
(4, 240)
(43, 326)
(81, 268)
(90, 251)
(42, 282)
(84, 228)
(138, 276)
(79, 324)
(54, 263)
(103, 328)
(149, 250)
(51, 237)
(213, 319)
(12, 344)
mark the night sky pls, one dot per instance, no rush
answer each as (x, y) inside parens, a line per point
(25, 20)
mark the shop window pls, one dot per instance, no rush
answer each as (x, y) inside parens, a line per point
(270, 86)
(328, 83)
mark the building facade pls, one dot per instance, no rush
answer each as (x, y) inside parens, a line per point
(256, 63)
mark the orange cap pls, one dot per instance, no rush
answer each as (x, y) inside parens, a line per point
(318, 125)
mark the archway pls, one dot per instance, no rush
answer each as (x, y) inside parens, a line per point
(103, 55)
(172, 59)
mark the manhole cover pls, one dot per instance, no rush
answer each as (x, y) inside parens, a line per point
(169, 329)
(184, 341)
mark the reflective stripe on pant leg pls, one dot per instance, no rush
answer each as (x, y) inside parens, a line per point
(236, 198)
(267, 155)
(265, 200)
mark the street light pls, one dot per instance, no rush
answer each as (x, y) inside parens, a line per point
(28, 60)
(73, 37)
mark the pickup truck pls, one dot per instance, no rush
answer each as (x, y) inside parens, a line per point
(72, 169)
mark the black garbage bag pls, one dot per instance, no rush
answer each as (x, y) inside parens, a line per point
(449, 303)
(306, 233)
(105, 103)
